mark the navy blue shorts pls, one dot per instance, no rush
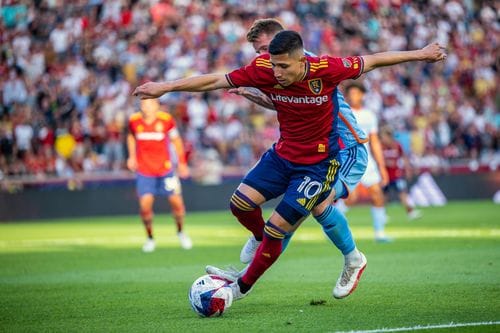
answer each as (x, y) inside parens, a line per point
(302, 186)
(162, 185)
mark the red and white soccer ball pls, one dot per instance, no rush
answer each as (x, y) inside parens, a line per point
(210, 295)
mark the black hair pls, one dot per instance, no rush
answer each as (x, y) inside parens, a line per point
(286, 41)
(357, 85)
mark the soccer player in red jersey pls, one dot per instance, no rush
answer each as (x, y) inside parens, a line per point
(398, 168)
(151, 134)
(302, 164)
(353, 158)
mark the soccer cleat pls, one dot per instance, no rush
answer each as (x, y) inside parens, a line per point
(185, 241)
(249, 249)
(149, 246)
(348, 280)
(414, 215)
(384, 239)
(230, 273)
(237, 294)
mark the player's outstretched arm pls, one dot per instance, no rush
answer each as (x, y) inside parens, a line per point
(431, 53)
(254, 95)
(199, 83)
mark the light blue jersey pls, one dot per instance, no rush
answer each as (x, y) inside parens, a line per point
(350, 132)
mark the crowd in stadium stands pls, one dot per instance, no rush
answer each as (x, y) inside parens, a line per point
(68, 69)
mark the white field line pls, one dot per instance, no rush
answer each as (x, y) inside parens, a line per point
(426, 327)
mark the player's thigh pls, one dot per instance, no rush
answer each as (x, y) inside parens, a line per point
(320, 208)
(309, 186)
(168, 185)
(353, 165)
(268, 179)
(283, 224)
(145, 186)
(251, 193)
(146, 202)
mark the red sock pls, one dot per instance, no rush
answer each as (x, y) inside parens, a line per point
(248, 214)
(267, 253)
(148, 224)
(147, 220)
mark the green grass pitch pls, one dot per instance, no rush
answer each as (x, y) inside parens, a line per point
(89, 275)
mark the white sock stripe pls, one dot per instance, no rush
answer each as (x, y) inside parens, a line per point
(426, 327)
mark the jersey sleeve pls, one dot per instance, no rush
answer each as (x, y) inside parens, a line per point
(251, 75)
(345, 68)
(131, 127)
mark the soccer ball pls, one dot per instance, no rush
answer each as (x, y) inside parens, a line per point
(210, 295)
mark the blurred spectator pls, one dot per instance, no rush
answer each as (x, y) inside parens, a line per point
(69, 67)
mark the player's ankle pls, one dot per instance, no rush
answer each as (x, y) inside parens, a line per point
(353, 257)
(244, 287)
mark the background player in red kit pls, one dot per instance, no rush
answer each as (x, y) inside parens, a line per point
(399, 169)
(151, 134)
(302, 164)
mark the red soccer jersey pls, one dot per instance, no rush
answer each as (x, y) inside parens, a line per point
(393, 155)
(152, 143)
(307, 110)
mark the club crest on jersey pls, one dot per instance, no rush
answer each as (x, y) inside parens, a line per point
(159, 127)
(316, 86)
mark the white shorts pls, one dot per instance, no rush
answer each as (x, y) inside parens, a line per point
(371, 176)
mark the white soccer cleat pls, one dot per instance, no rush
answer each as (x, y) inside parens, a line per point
(185, 241)
(348, 280)
(414, 215)
(249, 249)
(230, 273)
(149, 246)
(237, 294)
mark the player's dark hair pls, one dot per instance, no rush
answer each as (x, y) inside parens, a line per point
(268, 26)
(286, 41)
(355, 85)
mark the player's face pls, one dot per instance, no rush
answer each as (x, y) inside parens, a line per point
(288, 68)
(261, 45)
(355, 97)
(149, 107)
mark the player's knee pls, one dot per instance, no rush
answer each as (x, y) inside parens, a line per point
(274, 234)
(290, 213)
(241, 204)
(178, 210)
(378, 199)
(146, 214)
(273, 231)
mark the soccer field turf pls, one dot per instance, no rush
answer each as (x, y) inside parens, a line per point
(89, 275)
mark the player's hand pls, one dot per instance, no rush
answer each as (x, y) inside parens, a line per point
(434, 52)
(183, 171)
(132, 164)
(150, 90)
(237, 91)
(385, 178)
